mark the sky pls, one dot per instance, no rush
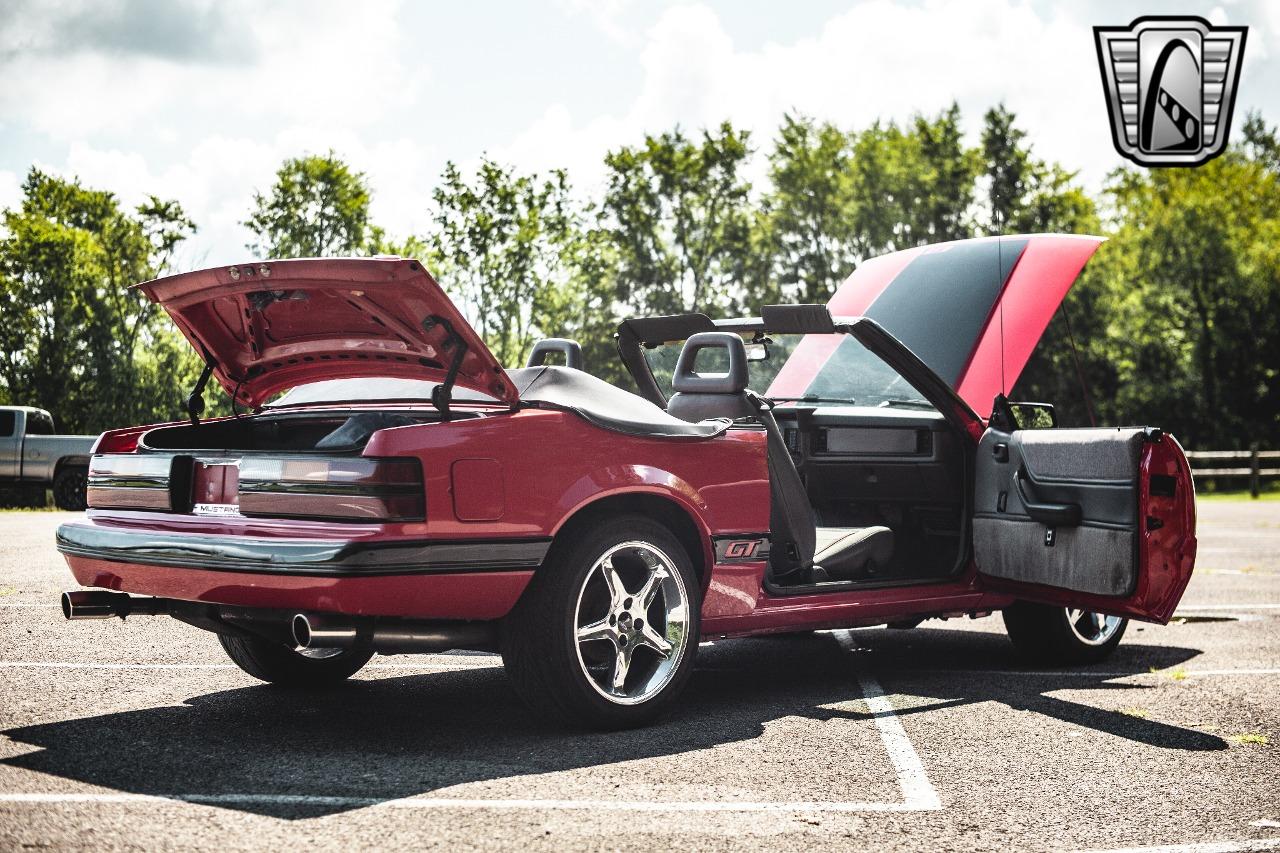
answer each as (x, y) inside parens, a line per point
(201, 101)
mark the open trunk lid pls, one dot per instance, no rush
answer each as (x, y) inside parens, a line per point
(972, 310)
(273, 325)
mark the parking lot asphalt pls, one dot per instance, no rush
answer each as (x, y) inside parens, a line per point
(143, 735)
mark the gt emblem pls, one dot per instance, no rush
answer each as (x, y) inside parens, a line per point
(740, 550)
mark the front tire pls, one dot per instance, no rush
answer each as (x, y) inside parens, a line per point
(278, 664)
(1062, 636)
(606, 634)
(69, 487)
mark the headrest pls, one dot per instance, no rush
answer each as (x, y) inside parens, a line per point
(571, 350)
(687, 381)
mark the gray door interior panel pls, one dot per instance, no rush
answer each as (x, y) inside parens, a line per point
(1096, 470)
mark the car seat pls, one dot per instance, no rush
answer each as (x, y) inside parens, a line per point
(572, 351)
(800, 551)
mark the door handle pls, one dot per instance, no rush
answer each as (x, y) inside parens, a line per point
(1056, 515)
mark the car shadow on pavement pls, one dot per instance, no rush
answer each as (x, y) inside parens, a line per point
(984, 668)
(383, 738)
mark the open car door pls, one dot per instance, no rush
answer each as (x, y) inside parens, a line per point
(1100, 519)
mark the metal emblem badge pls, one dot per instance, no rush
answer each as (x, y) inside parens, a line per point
(1170, 84)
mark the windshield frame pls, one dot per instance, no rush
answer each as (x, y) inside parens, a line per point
(637, 333)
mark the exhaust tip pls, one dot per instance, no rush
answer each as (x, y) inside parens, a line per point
(319, 631)
(301, 630)
(92, 604)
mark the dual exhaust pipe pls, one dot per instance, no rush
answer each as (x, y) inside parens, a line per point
(309, 630)
(390, 636)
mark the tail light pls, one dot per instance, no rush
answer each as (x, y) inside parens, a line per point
(350, 489)
(339, 488)
(128, 481)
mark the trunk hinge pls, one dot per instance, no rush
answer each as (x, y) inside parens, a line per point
(442, 394)
(195, 400)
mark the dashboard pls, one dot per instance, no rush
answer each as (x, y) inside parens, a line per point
(873, 454)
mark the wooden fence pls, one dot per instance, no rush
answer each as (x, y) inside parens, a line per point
(1249, 465)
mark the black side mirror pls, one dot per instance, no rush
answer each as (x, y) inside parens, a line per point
(1034, 415)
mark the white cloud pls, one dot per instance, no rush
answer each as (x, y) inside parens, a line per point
(204, 103)
(331, 59)
(10, 190)
(877, 60)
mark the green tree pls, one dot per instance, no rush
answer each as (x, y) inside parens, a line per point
(946, 172)
(809, 223)
(677, 210)
(76, 340)
(318, 207)
(1008, 167)
(499, 243)
(1261, 143)
(912, 186)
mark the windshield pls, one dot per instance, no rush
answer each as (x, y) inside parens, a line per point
(819, 370)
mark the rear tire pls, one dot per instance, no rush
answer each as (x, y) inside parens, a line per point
(278, 664)
(621, 596)
(1059, 636)
(69, 488)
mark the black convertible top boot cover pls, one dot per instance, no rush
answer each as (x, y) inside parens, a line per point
(605, 405)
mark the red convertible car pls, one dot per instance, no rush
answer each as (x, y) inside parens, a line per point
(387, 487)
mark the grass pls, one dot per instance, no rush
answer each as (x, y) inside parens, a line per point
(1177, 673)
(1250, 737)
(1269, 492)
(1140, 713)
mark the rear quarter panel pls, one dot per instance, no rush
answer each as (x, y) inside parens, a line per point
(544, 466)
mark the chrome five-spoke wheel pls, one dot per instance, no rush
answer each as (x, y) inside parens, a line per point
(632, 622)
(606, 634)
(1058, 636)
(1092, 629)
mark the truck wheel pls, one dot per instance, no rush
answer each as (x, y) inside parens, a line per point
(606, 634)
(1062, 636)
(279, 664)
(69, 488)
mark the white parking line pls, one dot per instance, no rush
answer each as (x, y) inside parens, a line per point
(917, 792)
(454, 803)
(72, 665)
(1202, 847)
(1084, 673)
(487, 662)
(1254, 606)
(461, 803)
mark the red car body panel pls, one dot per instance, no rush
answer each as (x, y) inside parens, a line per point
(1042, 268)
(1168, 552)
(273, 325)
(522, 474)
(463, 595)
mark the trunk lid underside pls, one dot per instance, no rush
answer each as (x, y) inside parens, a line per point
(274, 325)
